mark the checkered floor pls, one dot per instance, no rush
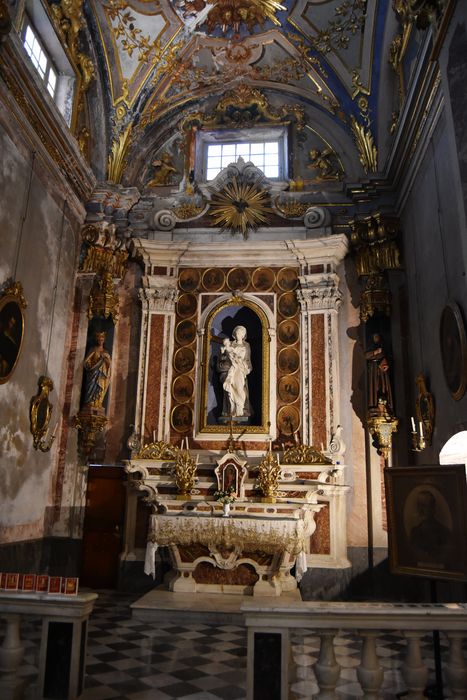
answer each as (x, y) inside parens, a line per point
(131, 660)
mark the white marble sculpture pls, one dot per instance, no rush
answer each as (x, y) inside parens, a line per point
(234, 365)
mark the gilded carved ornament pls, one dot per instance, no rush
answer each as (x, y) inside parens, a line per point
(243, 107)
(268, 477)
(376, 250)
(40, 412)
(69, 20)
(349, 20)
(304, 454)
(381, 426)
(367, 151)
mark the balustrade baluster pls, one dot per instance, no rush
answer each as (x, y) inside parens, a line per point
(369, 673)
(11, 655)
(414, 671)
(326, 669)
(456, 669)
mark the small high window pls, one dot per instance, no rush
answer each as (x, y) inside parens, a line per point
(263, 154)
(48, 57)
(39, 58)
(264, 146)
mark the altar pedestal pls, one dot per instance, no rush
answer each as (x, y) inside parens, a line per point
(244, 554)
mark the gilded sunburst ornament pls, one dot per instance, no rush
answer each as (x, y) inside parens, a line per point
(240, 207)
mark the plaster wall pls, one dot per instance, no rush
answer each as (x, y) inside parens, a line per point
(435, 268)
(38, 238)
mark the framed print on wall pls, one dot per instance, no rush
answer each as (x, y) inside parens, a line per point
(453, 343)
(427, 521)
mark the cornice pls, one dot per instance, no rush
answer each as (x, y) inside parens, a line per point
(61, 148)
(327, 250)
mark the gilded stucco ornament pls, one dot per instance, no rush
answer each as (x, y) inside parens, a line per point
(69, 20)
(268, 477)
(367, 151)
(304, 454)
(231, 15)
(349, 20)
(158, 450)
(376, 250)
(40, 412)
(240, 206)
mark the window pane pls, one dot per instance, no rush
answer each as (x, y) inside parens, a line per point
(29, 37)
(212, 172)
(228, 149)
(214, 162)
(271, 159)
(214, 150)
(243, 149)
(257, 147)
(258, 160)
(227, 160)
(271, 171)
(271, 147)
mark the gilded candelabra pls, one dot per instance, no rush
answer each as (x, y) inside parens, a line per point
(185, 473)
(267, 480)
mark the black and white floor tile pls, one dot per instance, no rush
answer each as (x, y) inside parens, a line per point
(131, 660)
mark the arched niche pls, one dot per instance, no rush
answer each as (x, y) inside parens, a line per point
(218, 323)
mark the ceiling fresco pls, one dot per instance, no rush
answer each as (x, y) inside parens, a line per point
(164, 59)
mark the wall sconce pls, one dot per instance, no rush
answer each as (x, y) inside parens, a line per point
(418, 437)
(40, 412)
(381, 426)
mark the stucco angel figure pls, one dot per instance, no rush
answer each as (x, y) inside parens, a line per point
(164, 170)
(97, 365)
(234, 366)
(321, 162)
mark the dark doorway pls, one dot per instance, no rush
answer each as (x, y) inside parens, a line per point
(103, 527)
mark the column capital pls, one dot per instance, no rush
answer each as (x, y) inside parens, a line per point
(319, 292)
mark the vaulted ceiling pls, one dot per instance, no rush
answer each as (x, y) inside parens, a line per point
(161, 61)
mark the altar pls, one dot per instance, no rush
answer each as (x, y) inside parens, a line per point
(259, 544)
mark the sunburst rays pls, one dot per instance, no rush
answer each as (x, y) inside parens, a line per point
(240, 207)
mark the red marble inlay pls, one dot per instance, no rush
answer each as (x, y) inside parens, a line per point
(320, 541)
(318, 382)
(153, 389)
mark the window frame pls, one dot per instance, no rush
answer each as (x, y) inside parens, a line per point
(36, 17)
(50, 65)
(258, 134)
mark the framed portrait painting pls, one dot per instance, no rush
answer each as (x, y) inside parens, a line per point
(427, 521)
(12, 305)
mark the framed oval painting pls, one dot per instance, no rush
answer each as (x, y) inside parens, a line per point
(185, 332)
(189, 279)
(238, 279)
(263, 279)
(453, 349)
(213, 279)
(184, 360)
(288, 332)
(187, 305)
(288, 304)
(182, 388)
(287, 279)
(12, 305)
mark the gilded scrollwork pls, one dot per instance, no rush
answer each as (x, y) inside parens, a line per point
(304, 454)
(158, 450)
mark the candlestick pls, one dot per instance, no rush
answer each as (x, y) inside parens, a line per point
(154, 436)
(421, 429)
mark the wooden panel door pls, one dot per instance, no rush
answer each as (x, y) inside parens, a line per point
(103, 527)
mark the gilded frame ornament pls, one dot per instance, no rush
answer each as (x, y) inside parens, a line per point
(263, 427)
(453, 344)
(12, 305)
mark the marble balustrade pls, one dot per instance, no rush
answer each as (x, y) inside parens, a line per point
(269, 642)
(62, 653)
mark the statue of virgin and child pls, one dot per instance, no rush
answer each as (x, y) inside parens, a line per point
(234, 366)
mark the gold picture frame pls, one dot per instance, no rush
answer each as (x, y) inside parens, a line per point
(185, 332)
(263, 279)
(238, 279)
(288, 304)
(288, 332)
(189, 279)
(181, 418)
(184, 360)
(287, 279)
(288, 420)
(220, 428)
(288, 389)
(213, 279)
(288, 360)
(183, 388)
(187, 305)
(12, 306)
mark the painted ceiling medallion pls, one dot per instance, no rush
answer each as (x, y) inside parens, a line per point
(240, 206)
(233, 14)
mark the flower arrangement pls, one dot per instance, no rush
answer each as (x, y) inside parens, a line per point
(227, 496)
